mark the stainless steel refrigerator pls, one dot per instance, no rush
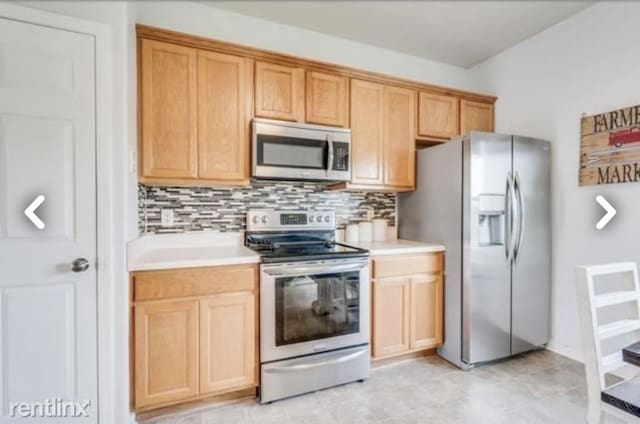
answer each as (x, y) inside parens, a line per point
(486, 197)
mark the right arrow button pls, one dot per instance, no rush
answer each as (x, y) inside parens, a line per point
(611, 212)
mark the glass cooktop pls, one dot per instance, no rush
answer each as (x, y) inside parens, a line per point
(285, 247)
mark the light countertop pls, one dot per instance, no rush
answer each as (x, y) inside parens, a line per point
(397, 247)
(199, 249)
(166, 251)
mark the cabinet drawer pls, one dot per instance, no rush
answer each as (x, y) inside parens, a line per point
(391, 266)
(153, 285)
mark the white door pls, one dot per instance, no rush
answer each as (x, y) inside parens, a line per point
(48, 325)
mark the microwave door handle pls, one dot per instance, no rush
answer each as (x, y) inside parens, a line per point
(330, 154)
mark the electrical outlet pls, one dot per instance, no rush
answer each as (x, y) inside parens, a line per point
(166, 217)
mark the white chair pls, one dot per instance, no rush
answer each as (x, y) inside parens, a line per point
(609, 307)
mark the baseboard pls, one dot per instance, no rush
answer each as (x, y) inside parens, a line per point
(190, 405)
(395, 359)
(565, 350)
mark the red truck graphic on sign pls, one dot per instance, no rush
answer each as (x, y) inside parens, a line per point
(626, 136)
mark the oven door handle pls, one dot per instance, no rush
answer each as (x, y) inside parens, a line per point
(319, 269)
(316, 364)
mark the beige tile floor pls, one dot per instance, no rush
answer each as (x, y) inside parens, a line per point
(539, 387)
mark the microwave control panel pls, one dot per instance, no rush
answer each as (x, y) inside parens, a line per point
(341, 157)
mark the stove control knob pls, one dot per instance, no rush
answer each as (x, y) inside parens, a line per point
(311, 218)
(327, 219)
(255, 219)
(265, 219)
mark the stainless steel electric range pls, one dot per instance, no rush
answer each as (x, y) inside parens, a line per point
(314, 304)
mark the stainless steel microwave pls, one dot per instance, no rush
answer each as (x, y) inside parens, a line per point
(295, 151)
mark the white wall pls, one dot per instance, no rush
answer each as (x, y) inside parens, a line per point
(199, 19)
(586, 64)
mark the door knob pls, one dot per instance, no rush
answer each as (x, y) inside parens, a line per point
(79, 265)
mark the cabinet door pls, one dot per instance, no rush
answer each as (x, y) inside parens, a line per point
(426, 311)
(327, 99)
(279, 92)
(391, 307)
(367, 144)
(168, 111)
(224, 113)
(475, 116)
(166, 352)
(227, 342)
(399, 136)
(438, 115)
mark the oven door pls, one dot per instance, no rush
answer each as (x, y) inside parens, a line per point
(303, 152)
(309, 307)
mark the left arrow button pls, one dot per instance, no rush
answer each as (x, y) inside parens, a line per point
(30, 212)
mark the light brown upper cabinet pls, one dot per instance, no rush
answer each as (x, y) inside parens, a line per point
(197, 98)
(327, 99)
(382, 137)
(224, 116)
(168, 111)
(399, 137)
(438, 116)
(367, 144)
(279, 92)
(195, 114)
(475, 116)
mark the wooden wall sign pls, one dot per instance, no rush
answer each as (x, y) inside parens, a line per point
(610, 147)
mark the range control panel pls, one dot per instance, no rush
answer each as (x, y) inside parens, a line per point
(260, 220)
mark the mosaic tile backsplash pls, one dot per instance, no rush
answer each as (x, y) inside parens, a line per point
(224, 209)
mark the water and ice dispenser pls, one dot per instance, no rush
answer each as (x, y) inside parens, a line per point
(491, 218)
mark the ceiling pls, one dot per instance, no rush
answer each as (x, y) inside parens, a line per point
(462, 33)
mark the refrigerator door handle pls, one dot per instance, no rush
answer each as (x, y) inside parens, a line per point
(510, 211)
(521, 214)
(507, 217)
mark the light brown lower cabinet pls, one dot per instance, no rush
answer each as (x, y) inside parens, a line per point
(227, 345)
(195, 339)
(407, 304)
(391, 303)
(426, 311)
(166, 351)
